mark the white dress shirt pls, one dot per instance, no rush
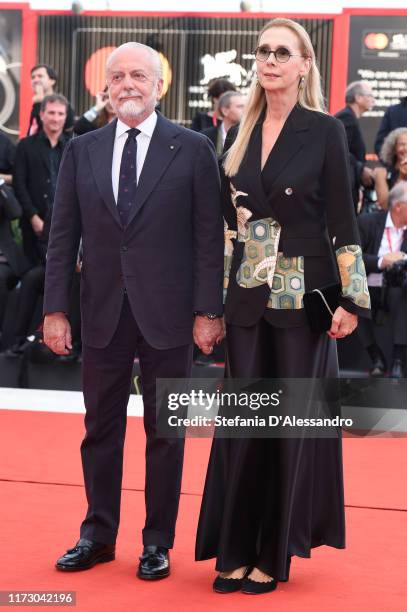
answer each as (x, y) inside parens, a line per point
(391, 241)
(146, 128)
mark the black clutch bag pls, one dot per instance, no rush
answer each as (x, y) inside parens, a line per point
(320, 305)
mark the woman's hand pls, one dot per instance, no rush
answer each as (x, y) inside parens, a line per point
(343, 323)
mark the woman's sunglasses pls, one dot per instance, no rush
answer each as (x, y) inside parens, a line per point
(282, 54)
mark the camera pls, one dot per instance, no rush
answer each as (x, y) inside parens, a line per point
(396, 275)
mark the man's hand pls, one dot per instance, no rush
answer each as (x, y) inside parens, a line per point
(367, 177)
(39, 93)
(57, 333)
(37, 224)
(343, 323)
(390, 258)
(207, 332)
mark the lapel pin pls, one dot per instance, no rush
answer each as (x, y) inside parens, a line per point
(288, 191)
(172, 147)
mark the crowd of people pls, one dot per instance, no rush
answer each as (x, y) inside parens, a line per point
(28, 175)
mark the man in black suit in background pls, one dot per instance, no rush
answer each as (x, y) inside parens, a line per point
(359, 99)
(144, 195)
(230, 107)
(384, 242)
(36, 170)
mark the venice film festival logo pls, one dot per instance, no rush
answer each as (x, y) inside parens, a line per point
(222, 65)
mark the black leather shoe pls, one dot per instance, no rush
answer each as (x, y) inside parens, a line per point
(397, 369)
(154, 563)
(85, 555)
(379, 367)
(253, 587)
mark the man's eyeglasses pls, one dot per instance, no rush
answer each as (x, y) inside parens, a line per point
(282, 54)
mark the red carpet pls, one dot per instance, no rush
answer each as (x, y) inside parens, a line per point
(43, 504)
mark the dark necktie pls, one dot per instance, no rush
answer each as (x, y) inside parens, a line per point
(128, 176)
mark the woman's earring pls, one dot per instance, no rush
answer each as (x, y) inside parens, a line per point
(302, 82)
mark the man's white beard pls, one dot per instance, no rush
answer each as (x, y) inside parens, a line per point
(131, 109)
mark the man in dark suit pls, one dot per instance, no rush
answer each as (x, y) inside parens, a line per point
(35, 172)
(394, 117)
(144, 195)
(384, 242)
(359, 99)
(12, 261)
(230, 108)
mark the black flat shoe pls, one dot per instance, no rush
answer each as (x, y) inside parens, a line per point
(85, 555)
(154, 563)
(229, 585)
(253, 587)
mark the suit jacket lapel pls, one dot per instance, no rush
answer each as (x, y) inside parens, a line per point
(101, 155)
(161, 151)
(291, 139)
(248, 177)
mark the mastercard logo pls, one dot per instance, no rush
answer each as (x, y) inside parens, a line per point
(376, 41)
(95, 80)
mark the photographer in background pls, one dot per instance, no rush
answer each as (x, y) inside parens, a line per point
(12, 261)
(384, 242)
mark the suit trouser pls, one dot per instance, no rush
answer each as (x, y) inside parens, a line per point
(396, 306)
(106, 386)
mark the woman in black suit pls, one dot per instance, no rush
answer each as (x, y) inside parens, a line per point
(290, 227)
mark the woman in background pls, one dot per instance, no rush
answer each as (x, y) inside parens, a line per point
(216, 88)
(97, 116)
(394, 155)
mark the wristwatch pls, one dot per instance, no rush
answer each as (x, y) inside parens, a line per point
(208, 315)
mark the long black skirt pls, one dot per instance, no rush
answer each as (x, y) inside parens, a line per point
(266, 500)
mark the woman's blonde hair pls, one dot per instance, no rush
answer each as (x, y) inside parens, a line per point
(309, 96)
(388, 151)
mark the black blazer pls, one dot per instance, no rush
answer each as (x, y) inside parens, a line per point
(371, 228)
(310, 197)
(10, 209)
(357, 148)
(394, 117)
(169, 257)
(354, 135)
(31, 179)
